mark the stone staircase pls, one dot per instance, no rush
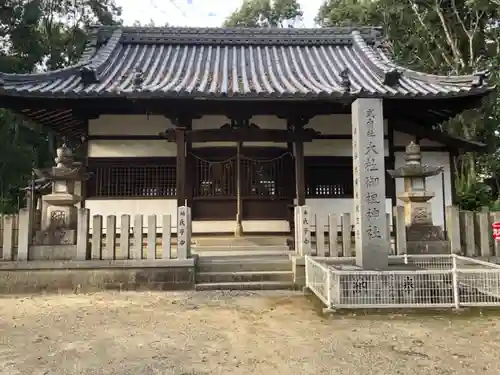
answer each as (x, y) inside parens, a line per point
(260, 263)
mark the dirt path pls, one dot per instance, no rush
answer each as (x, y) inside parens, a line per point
(232, 333)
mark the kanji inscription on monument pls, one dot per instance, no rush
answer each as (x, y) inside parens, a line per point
(182, 232)
(372, 244)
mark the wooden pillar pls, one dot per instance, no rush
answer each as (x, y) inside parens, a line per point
(239, 223)
(297, 124)
(190, 173)
(180, 139)
(300, 182)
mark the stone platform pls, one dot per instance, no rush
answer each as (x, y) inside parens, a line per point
(96, 275)
(426, 239)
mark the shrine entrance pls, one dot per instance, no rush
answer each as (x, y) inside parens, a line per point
(257, 182)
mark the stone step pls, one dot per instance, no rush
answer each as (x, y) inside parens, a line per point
(221, 248)
(249, 265)
(244, 254)
(248, 241)
(243, 276)
(257, 285)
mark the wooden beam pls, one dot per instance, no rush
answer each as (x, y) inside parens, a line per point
(242, 135)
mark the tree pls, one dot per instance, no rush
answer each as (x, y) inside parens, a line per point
(150, 23)
(38, 35)
(440, 37)
(265, 13)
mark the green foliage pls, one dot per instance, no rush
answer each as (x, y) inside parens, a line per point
(441, 37)
(472, 194)
(264, 13)
(38, 35)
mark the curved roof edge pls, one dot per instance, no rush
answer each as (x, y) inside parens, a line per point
(386, 68)
(367, 71)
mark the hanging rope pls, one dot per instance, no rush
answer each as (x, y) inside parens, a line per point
(212, 161)
(267, 160)
(242, 158)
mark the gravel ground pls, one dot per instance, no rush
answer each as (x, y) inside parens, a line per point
(264, 333)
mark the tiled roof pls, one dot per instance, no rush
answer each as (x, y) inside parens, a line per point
(249, 63)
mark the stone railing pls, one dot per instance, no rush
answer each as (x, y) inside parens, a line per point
(468, 233)
(471, 234)
(98, 238)
(331, 236)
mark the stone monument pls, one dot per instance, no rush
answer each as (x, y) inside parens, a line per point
(422, 235)
(59, 217)
(370, 225)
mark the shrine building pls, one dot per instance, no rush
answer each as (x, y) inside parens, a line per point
(240, 124)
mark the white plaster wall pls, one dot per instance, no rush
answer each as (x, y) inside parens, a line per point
(434, 184)
(333, 147)
(403, 139)
(334, 124)
(131, 148)
(128, 125)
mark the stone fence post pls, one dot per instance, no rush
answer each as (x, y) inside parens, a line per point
(183, 232)
(304, 230)
(24, 236)
(82, 233)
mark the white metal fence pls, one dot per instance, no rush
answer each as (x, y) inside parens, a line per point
(424, 281)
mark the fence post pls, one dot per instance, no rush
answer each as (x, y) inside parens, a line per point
(399, 227)
(306, 270)
(496, 244)
(124, 236)
(299, 225)
(166, 236)
(485, 233)
(454, 275)
(305, 230)
(110, 249)
(453, 229)
(24, 235)
(388, 232)
(136, 253)
(320, 236)
(151, 237)
(329, 287)
(296, 219)
(8, 237)
(346, 235)
(182, 233)
(468, 230)
(96, 237)
(332, 235)
(82, 233)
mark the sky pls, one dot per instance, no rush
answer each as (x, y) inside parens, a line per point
(195, 13)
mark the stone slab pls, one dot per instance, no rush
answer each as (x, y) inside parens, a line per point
(56, 237)
(424, 233)
(84, 280)
(246, 241)
(428, 247)
(52, 252)
(89, 264)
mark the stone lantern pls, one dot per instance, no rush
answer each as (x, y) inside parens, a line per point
(59, 221)
(422, 235)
